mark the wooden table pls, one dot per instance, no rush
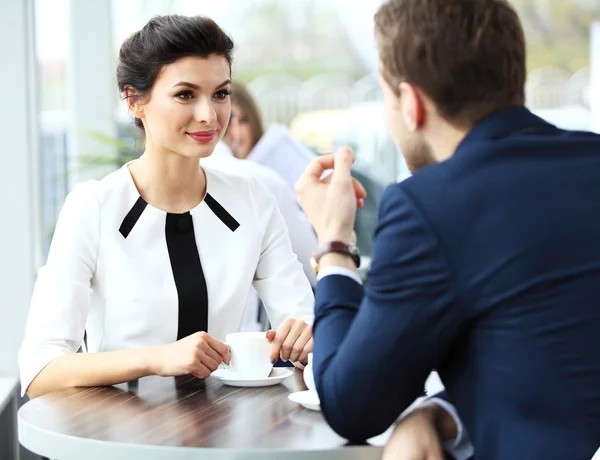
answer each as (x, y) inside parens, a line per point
(182, 418)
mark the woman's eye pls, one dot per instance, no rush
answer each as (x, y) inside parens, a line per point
(185, 95)
(223, 94)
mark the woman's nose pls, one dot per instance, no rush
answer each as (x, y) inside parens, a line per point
(205, 112)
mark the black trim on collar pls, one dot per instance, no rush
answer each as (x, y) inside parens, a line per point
(132, 217)
(221, 213)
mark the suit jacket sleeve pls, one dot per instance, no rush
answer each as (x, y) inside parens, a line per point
(375, 349)
(461, 447)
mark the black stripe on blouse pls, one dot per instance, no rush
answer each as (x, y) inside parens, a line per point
(188, 274)
(221, 213)
(192, 294)
(132, 217)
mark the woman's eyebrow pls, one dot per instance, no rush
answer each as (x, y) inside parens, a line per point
(194, 86)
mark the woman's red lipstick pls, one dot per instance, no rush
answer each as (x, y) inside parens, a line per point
(203, 136)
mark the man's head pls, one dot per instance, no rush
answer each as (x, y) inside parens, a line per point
(445, 65)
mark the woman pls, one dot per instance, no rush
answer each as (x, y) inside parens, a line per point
(274, 147)
(246, 127)
(153, 263)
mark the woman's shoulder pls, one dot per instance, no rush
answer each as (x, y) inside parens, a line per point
(241, 194)
(238, 182)
(116, 182)
(95, 193)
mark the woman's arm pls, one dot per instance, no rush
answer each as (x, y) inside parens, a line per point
(279, 278)
(92, 369)
(198, 354)
(282, 285)
(61, 298)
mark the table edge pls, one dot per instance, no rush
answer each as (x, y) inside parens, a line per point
(66, 447)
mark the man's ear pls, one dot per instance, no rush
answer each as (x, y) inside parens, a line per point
(412, 105)
(134, 102)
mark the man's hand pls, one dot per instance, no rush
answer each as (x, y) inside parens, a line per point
(330, 203)
(416, 437)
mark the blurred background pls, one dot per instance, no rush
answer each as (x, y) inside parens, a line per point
(311, 65)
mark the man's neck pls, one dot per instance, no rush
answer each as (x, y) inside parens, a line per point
(445, 140)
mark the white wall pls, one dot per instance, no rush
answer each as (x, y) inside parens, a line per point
(595, 76)
(19, 248)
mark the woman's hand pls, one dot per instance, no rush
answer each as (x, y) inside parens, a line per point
(198, 354)
(292, 341)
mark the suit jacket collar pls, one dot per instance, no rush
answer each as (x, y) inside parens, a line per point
(502, 124)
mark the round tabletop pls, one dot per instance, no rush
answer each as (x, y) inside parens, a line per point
(183, 418)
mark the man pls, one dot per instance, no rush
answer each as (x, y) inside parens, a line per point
(486, 262)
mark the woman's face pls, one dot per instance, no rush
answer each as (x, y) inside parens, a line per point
(240, 137)
(189, 106)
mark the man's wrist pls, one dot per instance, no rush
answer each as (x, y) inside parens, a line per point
(336, 259)
(441, 419)
(323, 239)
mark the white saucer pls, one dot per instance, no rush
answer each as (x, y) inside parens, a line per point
(227, 377)
(309, 399)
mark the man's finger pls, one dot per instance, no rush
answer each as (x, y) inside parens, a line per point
(343, 161)
(318, 166)
(359, 190)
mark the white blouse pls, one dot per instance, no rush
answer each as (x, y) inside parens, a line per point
(130, 275)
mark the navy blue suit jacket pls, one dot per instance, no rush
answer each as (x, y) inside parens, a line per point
(485, 267)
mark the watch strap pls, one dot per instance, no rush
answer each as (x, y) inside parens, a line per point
(339, 247)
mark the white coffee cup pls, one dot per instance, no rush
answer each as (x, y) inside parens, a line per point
(309, 379)
(249, 354)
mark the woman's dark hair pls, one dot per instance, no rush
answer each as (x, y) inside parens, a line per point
(163, 40)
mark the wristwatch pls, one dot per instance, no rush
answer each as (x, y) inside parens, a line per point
(351, 250)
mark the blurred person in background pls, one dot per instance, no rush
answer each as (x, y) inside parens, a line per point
(246, 126)
(273, 147)
(486, 261)
(150, 267)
